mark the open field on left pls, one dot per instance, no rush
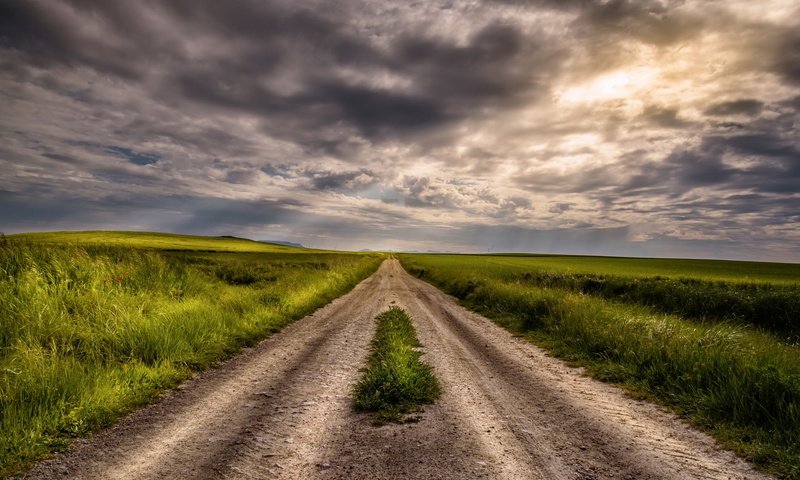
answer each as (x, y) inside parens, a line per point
(89, 331)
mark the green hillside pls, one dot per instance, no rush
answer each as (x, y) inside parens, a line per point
(160, 241)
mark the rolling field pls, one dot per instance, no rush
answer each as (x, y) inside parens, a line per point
(716, 341)
(93, 324)
(153, 240)
(722, 270)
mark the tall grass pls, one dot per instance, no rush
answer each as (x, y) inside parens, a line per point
(86, 333)
(772, 306)
(775, 308)
(743, 385)
(395, 381)
(713, 270)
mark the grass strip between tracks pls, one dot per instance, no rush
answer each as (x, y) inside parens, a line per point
(395, 381)
(741, 385)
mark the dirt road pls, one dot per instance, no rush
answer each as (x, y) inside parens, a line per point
(282, 410)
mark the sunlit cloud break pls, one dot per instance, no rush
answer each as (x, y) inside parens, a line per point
(655, 128)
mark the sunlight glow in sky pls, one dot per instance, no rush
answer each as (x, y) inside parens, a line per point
(621, 84)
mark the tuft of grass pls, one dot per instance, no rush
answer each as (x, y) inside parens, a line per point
(740, 384)
(395, 381)
(88, 332)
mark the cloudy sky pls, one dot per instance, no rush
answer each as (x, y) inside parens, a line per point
(658, 128)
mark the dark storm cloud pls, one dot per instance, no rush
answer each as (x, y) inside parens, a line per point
(748, 107)
(650, 21)
(280, 170)
(560, 207)
(664, 117)
(788, 56)
(55, 34)
(760, 144)
(351, 181)
(374, 112)
(240, 176)
(602, 22)
(447, 82)
(762, 155)
(478, 72)
(710, 164)
(188, 214)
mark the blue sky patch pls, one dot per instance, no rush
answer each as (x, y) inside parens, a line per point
(138, 158)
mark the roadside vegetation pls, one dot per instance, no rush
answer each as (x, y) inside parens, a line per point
(771, 307)
(395, 382)
(88, 332)
(726, 368)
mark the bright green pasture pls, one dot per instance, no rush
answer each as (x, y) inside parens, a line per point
(161, 241)
(724, 270)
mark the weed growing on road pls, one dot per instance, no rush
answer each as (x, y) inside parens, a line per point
(395, 381)
(88, 332)
(741, 384)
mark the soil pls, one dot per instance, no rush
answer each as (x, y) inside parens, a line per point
(282, 409)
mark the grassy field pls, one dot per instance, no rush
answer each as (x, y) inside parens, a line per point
(764, 295)
(87, 332)
(159, 241)
(395, 381)
(733, 375)
(721, 270)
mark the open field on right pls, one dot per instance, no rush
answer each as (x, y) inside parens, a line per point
(729, 370)
(699, 269)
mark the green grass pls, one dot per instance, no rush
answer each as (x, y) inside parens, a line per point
(395, 381)
(771, 307)
(88, 332)
(769, 300)
(741, 384)
(721, 270)
(160, 241)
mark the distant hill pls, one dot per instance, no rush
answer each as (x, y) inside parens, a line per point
(280, 242)
(161, 241)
